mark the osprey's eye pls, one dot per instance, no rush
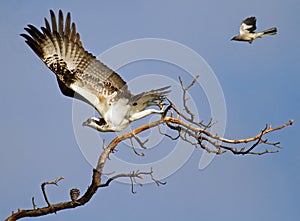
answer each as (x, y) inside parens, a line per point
(100, 122)
(134, 104)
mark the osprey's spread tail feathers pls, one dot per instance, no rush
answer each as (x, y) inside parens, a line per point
(270, 31)
(146, 99)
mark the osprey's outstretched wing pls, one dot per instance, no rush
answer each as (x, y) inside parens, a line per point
(60, 48)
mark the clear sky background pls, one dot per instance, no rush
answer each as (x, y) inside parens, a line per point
(260, 84)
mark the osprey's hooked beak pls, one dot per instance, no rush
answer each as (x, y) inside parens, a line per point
(85, 123)
(94, 120)
(99, 124)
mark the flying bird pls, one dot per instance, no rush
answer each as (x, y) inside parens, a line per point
(78, 71)
(247, 28)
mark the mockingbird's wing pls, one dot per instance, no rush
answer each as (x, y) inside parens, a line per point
(248, 26)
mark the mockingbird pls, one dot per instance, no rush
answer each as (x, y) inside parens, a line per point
(247, 28)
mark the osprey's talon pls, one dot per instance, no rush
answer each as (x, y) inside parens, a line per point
(161, 104)
(166, 111)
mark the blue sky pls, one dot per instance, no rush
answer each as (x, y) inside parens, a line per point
(260, 84)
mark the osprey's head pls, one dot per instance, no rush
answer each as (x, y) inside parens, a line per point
(98, 124)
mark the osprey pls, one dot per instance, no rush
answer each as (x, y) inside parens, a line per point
(78, 71)
(247, 28)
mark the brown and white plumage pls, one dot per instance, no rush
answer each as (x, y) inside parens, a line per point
(247, 31)
(78, 71)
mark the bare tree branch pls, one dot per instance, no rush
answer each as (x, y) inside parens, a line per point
(235, 141)
(201, 124)
(55, 182)
(167, 135)
(134, 150)
(141, 143)
(132, 176)
(186, 128)
(184, 96)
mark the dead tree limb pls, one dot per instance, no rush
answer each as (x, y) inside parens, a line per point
(55, 182)
(187, 129)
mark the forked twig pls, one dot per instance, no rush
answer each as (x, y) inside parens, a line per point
(55, 182)
(132, 177)
(185, 98)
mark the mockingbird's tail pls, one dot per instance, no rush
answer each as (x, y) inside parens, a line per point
(270, 31)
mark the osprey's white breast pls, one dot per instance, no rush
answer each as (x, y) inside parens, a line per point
(117, 114)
